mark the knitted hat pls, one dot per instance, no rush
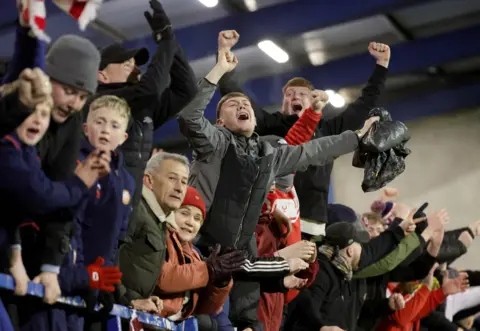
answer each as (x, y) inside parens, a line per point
(74, 61)
(193, 198)
(385, 209)
(340, 213)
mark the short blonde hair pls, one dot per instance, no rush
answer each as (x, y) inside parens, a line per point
(229, 96)
(298, 82)
(112, 102)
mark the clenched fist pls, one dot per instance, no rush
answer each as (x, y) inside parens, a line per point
(34, 87)
(227, 39)
(381, 52)
(396, 302)
(227, 61)
(320, 99)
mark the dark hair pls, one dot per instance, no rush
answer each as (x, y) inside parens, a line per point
(227, 97)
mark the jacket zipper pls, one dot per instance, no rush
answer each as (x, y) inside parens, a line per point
(245, 210)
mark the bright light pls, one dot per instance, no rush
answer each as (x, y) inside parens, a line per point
(209, 3)
(251, 4)
(335, 99)
(272, 50)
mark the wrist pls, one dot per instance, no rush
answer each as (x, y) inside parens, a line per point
(427, 234)
(215, 74)
(383, 63)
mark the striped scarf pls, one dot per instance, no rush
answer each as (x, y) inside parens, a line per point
(34, 13)
(337, 260)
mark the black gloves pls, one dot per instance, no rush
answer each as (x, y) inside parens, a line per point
(221, 267)
(159, 22)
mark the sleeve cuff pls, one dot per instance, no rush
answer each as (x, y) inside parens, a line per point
(50, 268)
(16, 246)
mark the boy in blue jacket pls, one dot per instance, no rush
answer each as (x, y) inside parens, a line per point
(102, 220)
(25, 191)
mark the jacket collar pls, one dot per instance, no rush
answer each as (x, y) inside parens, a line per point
(152, 202)
(117, 158)
(111, 86)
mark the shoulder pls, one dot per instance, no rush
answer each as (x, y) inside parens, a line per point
(11, 141)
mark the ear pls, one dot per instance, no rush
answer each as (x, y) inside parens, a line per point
(85, 129)
(220, 122)
(125, 137)
(148, 181)
(102, 77)
(349, 251)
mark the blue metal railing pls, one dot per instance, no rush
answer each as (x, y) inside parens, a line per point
(7, 282)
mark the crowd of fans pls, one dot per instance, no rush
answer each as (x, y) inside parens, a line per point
(241, 237)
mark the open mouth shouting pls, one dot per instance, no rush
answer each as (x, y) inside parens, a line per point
(297, 107)
(32, 132)
(243, 116)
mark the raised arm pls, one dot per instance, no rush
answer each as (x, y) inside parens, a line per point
(275, 123)
(182, 90)
(357, 112)
(29, 52)
(204, 137)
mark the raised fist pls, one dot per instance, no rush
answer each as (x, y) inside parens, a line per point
(34, 87)
(320, 99)
(227, 39)
(226, 60)
(381, 52)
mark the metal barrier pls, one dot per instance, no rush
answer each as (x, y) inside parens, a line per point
(7, 282)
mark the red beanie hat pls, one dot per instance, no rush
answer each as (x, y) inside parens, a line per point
(193, 198)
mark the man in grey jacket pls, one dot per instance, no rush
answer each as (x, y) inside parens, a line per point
(233, 170)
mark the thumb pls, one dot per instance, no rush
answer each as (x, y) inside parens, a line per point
(99, 261)
(36, 280)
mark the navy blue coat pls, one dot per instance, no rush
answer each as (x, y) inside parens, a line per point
(104, 218)
(25, 190)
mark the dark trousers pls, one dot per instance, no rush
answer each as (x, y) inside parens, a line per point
(244, 296)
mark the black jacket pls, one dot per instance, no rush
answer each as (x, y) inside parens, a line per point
(164, 89)
(334, 301)
(12, 113)
(312, 186)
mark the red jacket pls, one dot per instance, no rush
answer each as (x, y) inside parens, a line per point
(418, 305)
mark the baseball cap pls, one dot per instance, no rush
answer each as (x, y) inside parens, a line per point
(343, 234)
(117, 53)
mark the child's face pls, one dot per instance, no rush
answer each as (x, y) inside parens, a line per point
(105, 129)
(375, 229)
(34, 127)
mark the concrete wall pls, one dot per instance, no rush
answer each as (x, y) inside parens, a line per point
(443, 169)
